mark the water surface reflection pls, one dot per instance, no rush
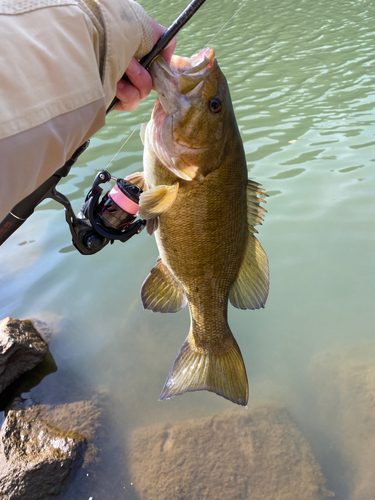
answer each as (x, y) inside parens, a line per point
(298, 71)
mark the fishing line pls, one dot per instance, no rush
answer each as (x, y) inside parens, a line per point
(237, 11)
(126, 140)
(163, 41)
(140, 123)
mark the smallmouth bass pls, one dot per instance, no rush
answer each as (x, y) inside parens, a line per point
(202, 208)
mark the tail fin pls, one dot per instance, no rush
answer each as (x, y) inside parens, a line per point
(197, 370)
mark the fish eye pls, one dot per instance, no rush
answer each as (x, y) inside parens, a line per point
(216, 104)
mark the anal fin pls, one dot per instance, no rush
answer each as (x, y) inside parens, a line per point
(161, 292)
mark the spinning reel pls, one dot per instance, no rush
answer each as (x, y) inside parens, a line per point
(103, 221)
(99, 221)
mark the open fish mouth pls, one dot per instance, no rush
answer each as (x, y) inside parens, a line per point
(185, 73)
(176, 85)
(196, 64)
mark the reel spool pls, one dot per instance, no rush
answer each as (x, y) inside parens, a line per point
(104, 221)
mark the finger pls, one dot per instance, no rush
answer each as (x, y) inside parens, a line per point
(167, 53)
(140, 78)
(128, 96)
(158, 31)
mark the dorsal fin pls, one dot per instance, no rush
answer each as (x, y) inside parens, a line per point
(255, 213)
(250, 289)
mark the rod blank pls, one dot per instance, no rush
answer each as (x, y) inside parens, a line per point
(164, 40)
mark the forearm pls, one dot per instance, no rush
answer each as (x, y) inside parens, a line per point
(125, 31)
(62, 66)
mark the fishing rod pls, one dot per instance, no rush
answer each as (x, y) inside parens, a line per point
(100, 221)
(164, 40)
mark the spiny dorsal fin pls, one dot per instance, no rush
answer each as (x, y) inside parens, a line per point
(138, 179)
(157, 200)
(250, 289)
(199, 369)
(161, 292)
(255, 213)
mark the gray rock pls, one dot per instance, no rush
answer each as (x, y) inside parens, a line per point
(344, 382)
(21, 348)
(11, 397)
(258, 454)
(83, 417)
(37, 460)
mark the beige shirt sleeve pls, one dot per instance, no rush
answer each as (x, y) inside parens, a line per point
(60, 62)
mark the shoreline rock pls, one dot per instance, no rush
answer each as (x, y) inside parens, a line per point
(37, 460)
(54, 422)
(258, 454)
(21, 349)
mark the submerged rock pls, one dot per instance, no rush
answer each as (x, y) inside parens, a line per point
(53, 430)
(344, 380)
(82, 417)
(49, 324)
(21, 349)
(43, 447)
(258, 454)
(44, 330)
(37, 460)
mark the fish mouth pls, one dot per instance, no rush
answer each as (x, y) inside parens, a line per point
(176, 85)
(183, 76)
(196, 64)
(189, 72)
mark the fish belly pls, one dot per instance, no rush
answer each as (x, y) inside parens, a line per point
(202, 237)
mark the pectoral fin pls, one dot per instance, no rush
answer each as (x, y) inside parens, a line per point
(157, 200)
(138, 179)
(250, 289)
(161, 292)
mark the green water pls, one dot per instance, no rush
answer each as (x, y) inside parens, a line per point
(298, 71)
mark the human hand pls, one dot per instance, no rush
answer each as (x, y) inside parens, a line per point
(140, 86)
